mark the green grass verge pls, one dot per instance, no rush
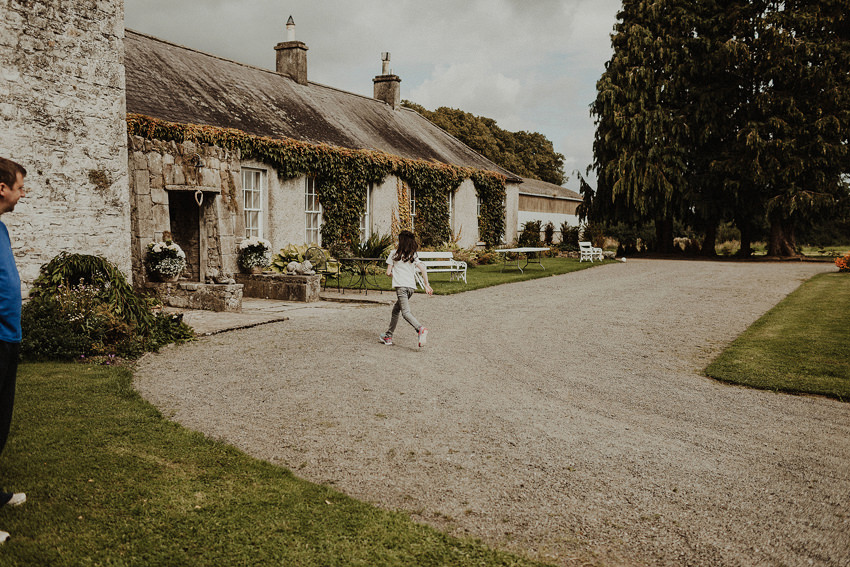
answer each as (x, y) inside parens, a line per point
(111, 482)
(488, 275)
(800, 346)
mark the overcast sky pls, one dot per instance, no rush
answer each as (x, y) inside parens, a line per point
(528, 64)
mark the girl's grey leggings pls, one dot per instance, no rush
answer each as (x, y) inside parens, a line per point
(402, 305)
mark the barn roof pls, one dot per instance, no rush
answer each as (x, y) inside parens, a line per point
(545, 189)
(179, 84)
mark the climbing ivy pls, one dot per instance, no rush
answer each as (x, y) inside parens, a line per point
(343, 176)
(490, 188)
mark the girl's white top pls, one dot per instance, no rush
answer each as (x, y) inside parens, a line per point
(403, 272)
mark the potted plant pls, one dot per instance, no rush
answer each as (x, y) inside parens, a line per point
(165, 260)
(254, 254)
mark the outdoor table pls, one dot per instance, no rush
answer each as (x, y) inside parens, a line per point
(360, 276)
(527, 251)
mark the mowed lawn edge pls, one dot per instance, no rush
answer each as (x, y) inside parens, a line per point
(488, 275)
(801, 346)
(110, 481)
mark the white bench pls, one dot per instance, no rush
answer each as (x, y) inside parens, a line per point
(441, 262)
(588, 252)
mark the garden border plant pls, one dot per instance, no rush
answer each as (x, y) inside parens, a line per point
(343, 176)
(81, 305)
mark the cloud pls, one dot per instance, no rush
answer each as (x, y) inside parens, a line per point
(476, 88)
(528, 64)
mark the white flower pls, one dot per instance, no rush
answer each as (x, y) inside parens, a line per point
(254, 241)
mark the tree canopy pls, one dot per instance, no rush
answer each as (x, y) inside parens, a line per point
(714, 111)
(528, 154)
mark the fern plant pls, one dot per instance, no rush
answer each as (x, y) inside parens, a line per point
(69, 270)
(376, 246)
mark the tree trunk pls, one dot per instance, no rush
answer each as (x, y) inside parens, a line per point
(782, 241)
(664, 236)
(746, 249)
(709, 241)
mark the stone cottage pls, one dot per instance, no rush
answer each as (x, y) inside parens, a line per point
(210, 197)
(69, 76)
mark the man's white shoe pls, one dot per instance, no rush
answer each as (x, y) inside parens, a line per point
(17, 499)
(4, 537)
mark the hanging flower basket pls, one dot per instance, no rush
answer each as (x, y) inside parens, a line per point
(165, 261)
(255, 255)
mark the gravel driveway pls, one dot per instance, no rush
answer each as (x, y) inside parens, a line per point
(564, 418)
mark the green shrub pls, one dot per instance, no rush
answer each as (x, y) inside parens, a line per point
(569, 237)
(376, 246)
(48, 335)
(549, 233)
(82, 269)
(95, 317)
(530, 235)
(594, 233)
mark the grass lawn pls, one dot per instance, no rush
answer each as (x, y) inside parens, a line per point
(111, 482)
(487, 275)
(801, 346)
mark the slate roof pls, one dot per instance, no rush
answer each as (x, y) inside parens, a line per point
(178, 84)
(544, 188)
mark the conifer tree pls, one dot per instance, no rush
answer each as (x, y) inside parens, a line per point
(800, 126)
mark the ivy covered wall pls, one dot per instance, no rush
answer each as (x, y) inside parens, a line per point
(343, 176)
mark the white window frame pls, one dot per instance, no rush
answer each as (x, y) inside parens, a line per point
(253, 197)
(312, 213)
(452, 213)
(478, 206)
(366, 216)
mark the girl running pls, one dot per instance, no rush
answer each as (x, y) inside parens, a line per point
(402, 264)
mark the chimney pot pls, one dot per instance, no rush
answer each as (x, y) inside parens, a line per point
(292, 56)
(290, 29)
(387, 87)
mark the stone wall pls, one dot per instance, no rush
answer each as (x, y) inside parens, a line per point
(284, 287)
(192, 295)
(62, 116)
(167, 180)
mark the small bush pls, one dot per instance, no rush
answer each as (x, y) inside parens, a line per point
(728, 247)
(569, 237)
(593, 233)
(100, 316)
(48, 335)
(486, 257)
(530, 235)
(376, 246)
(549, 233)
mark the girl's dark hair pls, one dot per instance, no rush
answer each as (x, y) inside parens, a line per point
(407, 247)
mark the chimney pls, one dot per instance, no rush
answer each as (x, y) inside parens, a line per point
(387, 85)
(292, 56)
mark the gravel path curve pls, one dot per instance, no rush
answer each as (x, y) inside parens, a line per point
(563, 418)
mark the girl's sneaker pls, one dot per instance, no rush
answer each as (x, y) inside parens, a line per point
(423, 336)
(386, 339)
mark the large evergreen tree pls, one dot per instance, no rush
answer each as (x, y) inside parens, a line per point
(642, 130)
(799, 132)
(718, 110)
